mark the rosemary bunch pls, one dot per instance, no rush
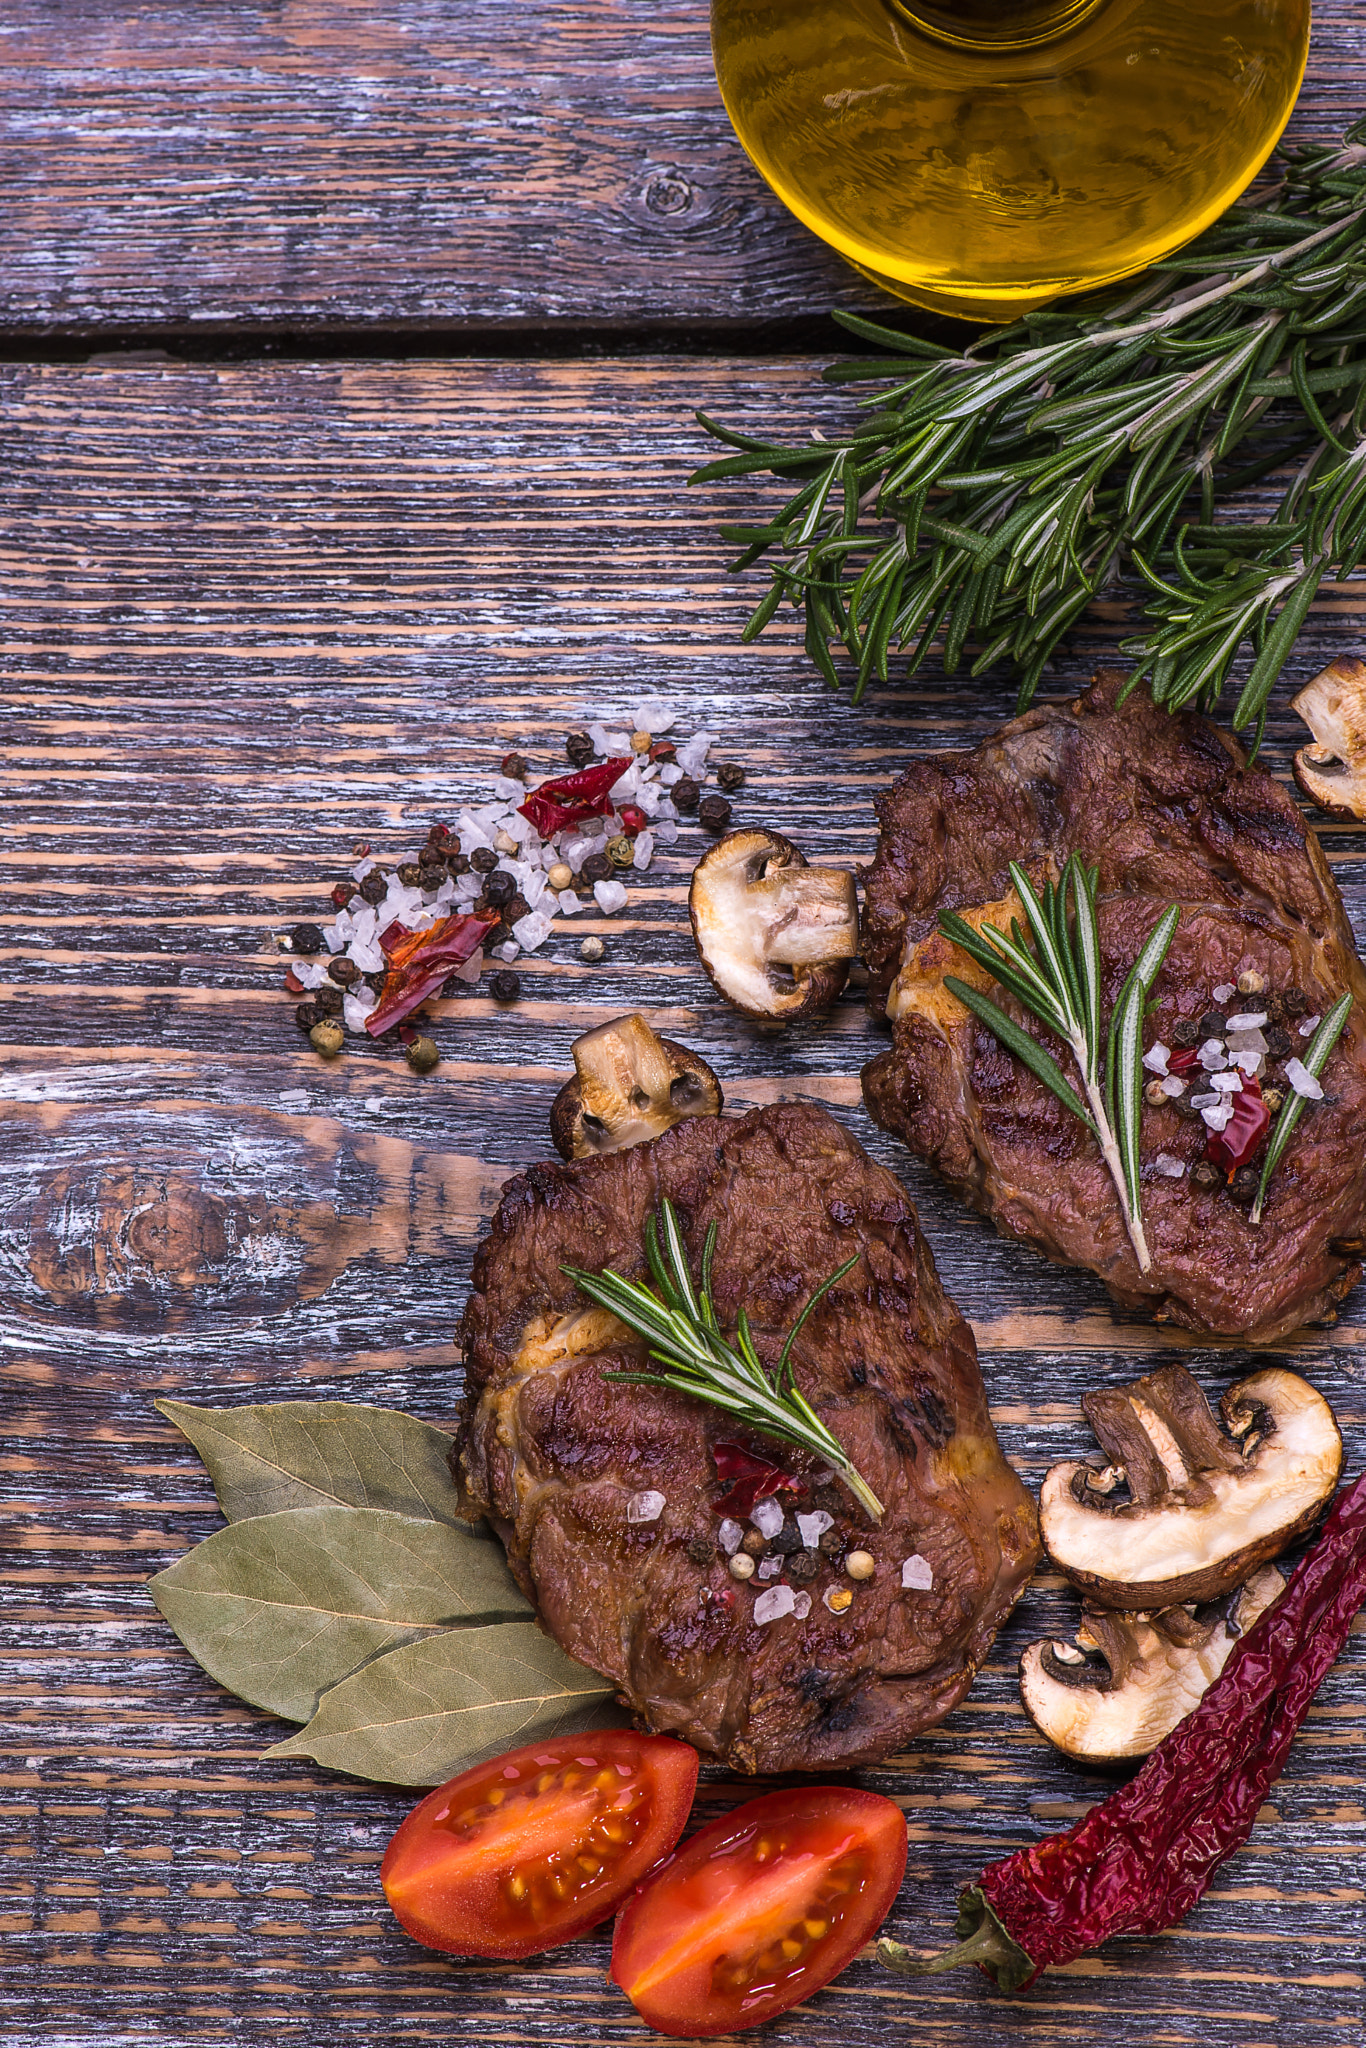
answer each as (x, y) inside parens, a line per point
(1059, 983)
(988, 494)
(679, 1323)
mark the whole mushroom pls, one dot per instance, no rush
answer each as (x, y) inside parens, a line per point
(1332, 772)
(774, 934)
(629, 1085)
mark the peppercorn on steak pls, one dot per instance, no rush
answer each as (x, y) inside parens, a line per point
(619, 1504)
(1168, 812)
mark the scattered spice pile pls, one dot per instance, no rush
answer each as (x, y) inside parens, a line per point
(1215, 1069)
(492, 885)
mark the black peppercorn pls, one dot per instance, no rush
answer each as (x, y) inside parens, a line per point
(483, 860)
(699, 1552)
(579, 748)
(408, 874)
(328, 1000)
(714, 813)
(505, 986)
(596, 868)
(803, 1566)
(514, 767)
(375, 887)
(830, 1499)
(517, 908)
(786, 1543)
(1243, 1187)
(499, 889)
(753, 1544)
(833, 1543)
(1205, 1174)
(343, 971)
(377, 980)
(429, 878)
(305, 939)
(729, 776)
(1279, 1043)
(458, 863)
(1294, 1002)
(1185, 1033)
(306, 1016)
(1213, 1024)
(685, 793)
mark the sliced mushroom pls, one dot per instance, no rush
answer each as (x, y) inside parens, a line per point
(629, 1084)
(775, 935)
(1332, 773)
(1182, 1511)
(1127, 1679)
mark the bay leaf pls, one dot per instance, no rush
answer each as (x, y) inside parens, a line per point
(306, 1454)
(439, 1706)
(278, 1608)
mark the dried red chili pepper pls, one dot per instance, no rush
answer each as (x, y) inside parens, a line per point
(569, 799)
(1182, 1060)
(754, 1478)
(1140, 1860)
(420, 961)
(1243, 1133)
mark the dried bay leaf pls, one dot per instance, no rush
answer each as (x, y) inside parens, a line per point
(445, 1703)
(306, 1454)
(280, 1607)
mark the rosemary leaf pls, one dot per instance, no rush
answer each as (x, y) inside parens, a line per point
(1040, 1063)
(1316, 1059)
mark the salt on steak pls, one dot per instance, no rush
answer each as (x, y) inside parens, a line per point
(1169, 811)
(555, 1455)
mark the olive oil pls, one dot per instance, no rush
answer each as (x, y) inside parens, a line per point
(984, 156)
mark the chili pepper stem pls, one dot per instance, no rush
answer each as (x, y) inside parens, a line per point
(989, 1947)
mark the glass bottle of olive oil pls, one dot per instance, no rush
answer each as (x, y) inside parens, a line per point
(983, 156)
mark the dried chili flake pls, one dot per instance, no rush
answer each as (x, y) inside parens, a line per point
(420, 961)
(1183, 1060)
(293, 983)
(751, 1478)
(569, 799)
(1243, 1133)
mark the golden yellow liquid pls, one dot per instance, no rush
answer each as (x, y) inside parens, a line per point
(983, 156)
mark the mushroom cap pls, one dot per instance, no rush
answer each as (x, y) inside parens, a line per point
(1129, 1678)
(774, 934)
(1182, 1511)
(1332, 772)
(629, 1085)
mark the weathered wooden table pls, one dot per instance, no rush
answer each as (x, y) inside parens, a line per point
(350, 359)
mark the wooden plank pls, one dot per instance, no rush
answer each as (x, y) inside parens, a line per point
(253, 617)
(455, 169)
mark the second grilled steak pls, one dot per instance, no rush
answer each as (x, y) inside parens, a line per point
(1170, 813)
(556, 1454)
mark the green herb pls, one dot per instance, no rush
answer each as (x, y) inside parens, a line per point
(681, 1327)
(1316, 1059)
(1059, 983)
(991, 493)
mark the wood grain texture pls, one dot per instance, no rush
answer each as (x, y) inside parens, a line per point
(253, 617)
(461, 166)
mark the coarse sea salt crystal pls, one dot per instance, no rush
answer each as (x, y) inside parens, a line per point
(363, 867)
(471, 833)
(1227, 1083)
(368, 955)
(814, 1526)
(471, 970)
(534, 887)
(1171, 1167)
(1173, 1085)
(1212, 1057)
(1156, 1057)
(692, 758)
(643, 851)
(655, 715)
(670, 773)
(311, 973)
(1302, 1081)
(570, 904)
(1247, 1020)
(609, 896)
(625, 786)
(1218, 1117)
(645, 1507)
(801, 1606)
(467, 887)
(511, 792)
(1309, 1025)
(533, 930)
(508, 951)
(767, 1517)
(917, 1573)
(770, 1567)
(666, 832)
(355, 1012)
(1224, 991)
(1249, 1062)
(730, 1536)
(776, 1602)
(1205, 1101)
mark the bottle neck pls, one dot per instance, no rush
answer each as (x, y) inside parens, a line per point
(996, 24)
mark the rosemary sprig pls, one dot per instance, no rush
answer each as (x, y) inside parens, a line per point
(679, 1323)
(990, 493)
(1059, 983)
(1316, 1059)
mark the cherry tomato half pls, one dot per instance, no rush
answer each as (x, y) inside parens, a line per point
(759, 1909)
(533, 1847)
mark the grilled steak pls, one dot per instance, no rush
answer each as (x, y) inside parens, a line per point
(554, 1453)
(1168, 810)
